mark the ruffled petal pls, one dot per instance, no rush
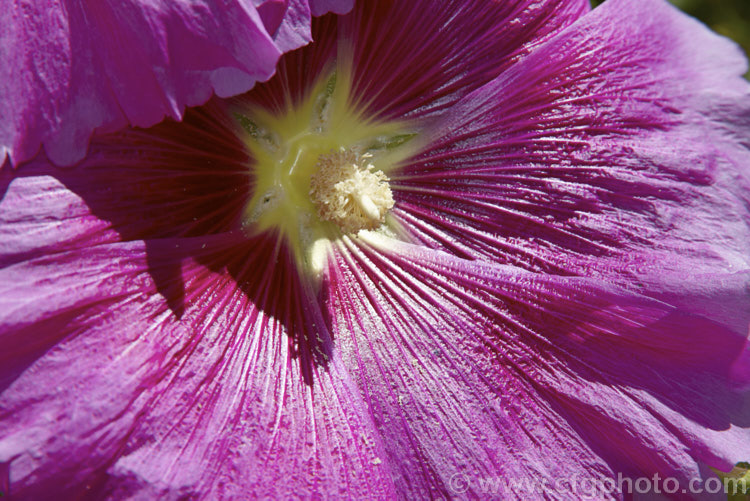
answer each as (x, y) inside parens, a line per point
(102, 65)
(289, 20)
(617, 149)
(483, 376)
(105, 392)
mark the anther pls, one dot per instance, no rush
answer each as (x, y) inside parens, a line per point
(347, 190)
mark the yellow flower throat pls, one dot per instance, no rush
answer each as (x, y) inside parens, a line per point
(321, 169)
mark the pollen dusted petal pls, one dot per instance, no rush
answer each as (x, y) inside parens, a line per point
(617, 149)
(491, 371)
(80, 66)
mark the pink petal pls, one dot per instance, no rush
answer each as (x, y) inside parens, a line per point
(617, 149)
(147, 350)
(174, 180)
(412, 60)
(478, 371)
(320, 7)
(4, 479)
(193, 374)
(102, 65)
(107, 393)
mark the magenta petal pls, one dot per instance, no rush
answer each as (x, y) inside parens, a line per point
(5, 479)
(320, 7)
(616, 149)
(106, 392)
(137, 360)
(485, 371)
(38, 215)
(148, 350)
(414, 59)
(101, 65)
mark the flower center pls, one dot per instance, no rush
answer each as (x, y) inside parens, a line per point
(320, 169)
(353, 196)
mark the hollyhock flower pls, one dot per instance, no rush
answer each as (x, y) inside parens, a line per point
(72, 67)
(448, 243)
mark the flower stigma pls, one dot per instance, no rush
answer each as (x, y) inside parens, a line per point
(320, 169)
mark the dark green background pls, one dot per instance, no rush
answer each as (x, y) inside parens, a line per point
(729, 17)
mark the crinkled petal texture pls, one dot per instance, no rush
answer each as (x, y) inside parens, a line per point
(77, 66)
(617, 149)
(571, 303)
(508, 381)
